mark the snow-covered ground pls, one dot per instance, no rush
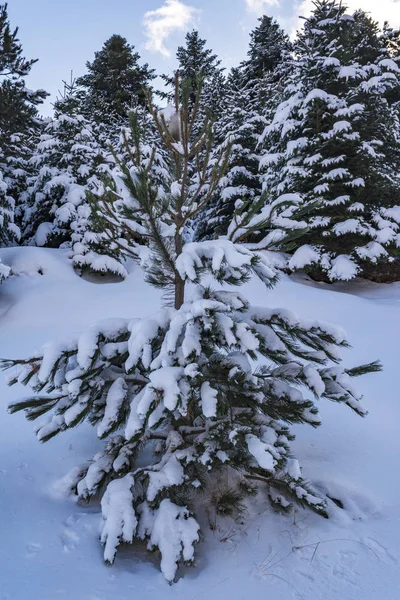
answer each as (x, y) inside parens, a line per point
(49, 547)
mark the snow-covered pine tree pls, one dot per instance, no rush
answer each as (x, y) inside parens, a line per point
(114, 85)
(100, 246)
(331, 141)
(204, 390)
(250, 88)
(239, 129)
(19, 124)
(6, 205)
(214, 91)
(196, 62)
(391, 37)
(9, 232)
(198, 65)
(269, 46)
(67, 160)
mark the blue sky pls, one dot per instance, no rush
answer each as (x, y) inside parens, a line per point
(64, 35)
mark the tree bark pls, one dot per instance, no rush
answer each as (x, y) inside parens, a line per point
(179, 292)
(179, 283)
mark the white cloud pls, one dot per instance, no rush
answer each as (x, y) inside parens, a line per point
(382, 10)
(258, 6)
(159, 24)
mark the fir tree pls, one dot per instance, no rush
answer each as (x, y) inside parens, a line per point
(200, 68)
(239, 129)
(186, 383)
(12, 64)
(269, 45)
(99, 247)
(9, 231)
(19, 123)
(6, 216)
(391, 37)
(332, 142)
(115, 84)
(214, 95)
(66, 161)
(250, 87)
(197, 63)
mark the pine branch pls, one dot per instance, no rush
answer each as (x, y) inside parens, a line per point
(373, 367)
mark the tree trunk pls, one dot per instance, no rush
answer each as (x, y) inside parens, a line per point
(179, 293)
(179, 283)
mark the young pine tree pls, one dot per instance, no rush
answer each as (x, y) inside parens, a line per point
(205, 389)
(332, 141)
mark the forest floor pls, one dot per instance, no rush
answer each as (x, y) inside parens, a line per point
(49, 547)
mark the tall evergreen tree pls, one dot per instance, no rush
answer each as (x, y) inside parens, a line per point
(238, 129)
(114, 85)
(269, 45)
(12, 62)
(250, 87)
(19, 123)
(6, 218)
(66, 161)
(179, 397)
(197, 62)
(99, 247)
(331, 141)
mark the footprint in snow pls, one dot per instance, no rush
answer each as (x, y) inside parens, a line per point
(344, 572)
(72, 520)
(74, 526)
(69, 539)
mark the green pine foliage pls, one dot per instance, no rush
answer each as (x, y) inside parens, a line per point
(12, 63)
